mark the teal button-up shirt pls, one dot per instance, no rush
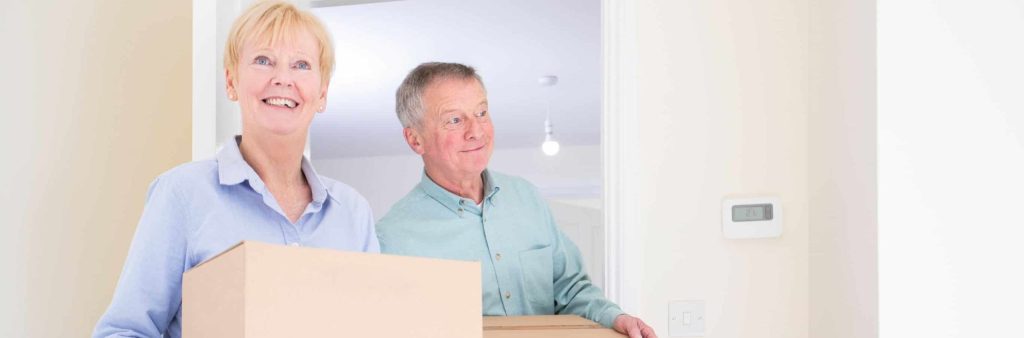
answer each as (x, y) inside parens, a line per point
(528, 267)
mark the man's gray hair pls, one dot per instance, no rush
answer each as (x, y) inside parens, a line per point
(409, 98)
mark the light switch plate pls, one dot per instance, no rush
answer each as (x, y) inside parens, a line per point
(686, 318)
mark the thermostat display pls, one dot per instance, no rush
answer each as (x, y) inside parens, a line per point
(751, 212)
(759, 217)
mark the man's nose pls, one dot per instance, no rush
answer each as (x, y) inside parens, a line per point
(473, 129)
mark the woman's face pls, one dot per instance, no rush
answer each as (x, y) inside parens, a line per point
(278, 87)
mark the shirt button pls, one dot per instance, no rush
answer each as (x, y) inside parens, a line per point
(498, 256)
(294, 244)
(508, 295)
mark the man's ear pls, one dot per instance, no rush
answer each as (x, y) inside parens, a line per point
(414, 139)
(229, 81)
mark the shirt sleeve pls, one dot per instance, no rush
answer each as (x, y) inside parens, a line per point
(148, 293)
(574, 291)
(372, 243)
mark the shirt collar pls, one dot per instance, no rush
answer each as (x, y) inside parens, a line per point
(232, 169)
(456, 203)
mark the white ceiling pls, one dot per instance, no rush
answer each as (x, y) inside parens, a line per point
(510, 42)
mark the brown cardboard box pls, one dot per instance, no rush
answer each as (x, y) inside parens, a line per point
(560, 326)
(256, 290)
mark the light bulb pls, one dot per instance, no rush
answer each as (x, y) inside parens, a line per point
(550, 146)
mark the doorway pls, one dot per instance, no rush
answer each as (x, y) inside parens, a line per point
(214, 120)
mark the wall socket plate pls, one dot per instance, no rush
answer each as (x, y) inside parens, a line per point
(686, 318)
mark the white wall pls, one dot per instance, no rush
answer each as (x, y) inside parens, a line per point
(722, 108)
(584, 225)
(757, 98)
(96, 105)
(951, 158)
(574, 173)
(842, 177)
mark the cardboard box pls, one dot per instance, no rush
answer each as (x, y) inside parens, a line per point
(256, 290)
(560, 326)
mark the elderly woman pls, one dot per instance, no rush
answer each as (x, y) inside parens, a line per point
(278, 62)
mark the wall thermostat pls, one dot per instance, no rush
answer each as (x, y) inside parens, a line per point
(759, 217)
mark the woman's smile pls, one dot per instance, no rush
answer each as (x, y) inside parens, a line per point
(281, 102)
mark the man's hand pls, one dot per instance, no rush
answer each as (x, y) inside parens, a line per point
(633, 327)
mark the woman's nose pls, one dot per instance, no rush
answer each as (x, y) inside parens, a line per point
(282, 82)
(282, 77)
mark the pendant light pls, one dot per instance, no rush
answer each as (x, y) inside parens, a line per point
(550, 146)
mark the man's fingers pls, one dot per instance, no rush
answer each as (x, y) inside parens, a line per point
(633, 327)
(648, 332)
(634, 330)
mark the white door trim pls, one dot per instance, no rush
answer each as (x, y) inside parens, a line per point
(204, 81)
(618, 131)
(214, 117)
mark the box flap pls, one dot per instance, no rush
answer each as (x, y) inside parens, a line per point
(553, 333)
(218, 255)
(538, 322)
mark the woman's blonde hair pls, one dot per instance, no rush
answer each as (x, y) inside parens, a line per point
(269, 22)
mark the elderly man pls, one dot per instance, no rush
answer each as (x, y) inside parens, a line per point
(460, 210)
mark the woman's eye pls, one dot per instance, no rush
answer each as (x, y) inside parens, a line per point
(262, 60)
(303, 65)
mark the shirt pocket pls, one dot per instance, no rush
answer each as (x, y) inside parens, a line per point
(538, 284)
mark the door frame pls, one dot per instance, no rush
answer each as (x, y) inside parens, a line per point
(623, 258)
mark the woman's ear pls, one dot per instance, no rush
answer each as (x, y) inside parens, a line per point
(229, 81)
(413, 138)
(323, 96)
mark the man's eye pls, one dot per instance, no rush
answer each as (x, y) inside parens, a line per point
(454, 120)
(261, 60)
(481, 114)
(303, 65)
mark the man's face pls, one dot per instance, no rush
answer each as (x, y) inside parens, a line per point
(455, 136)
